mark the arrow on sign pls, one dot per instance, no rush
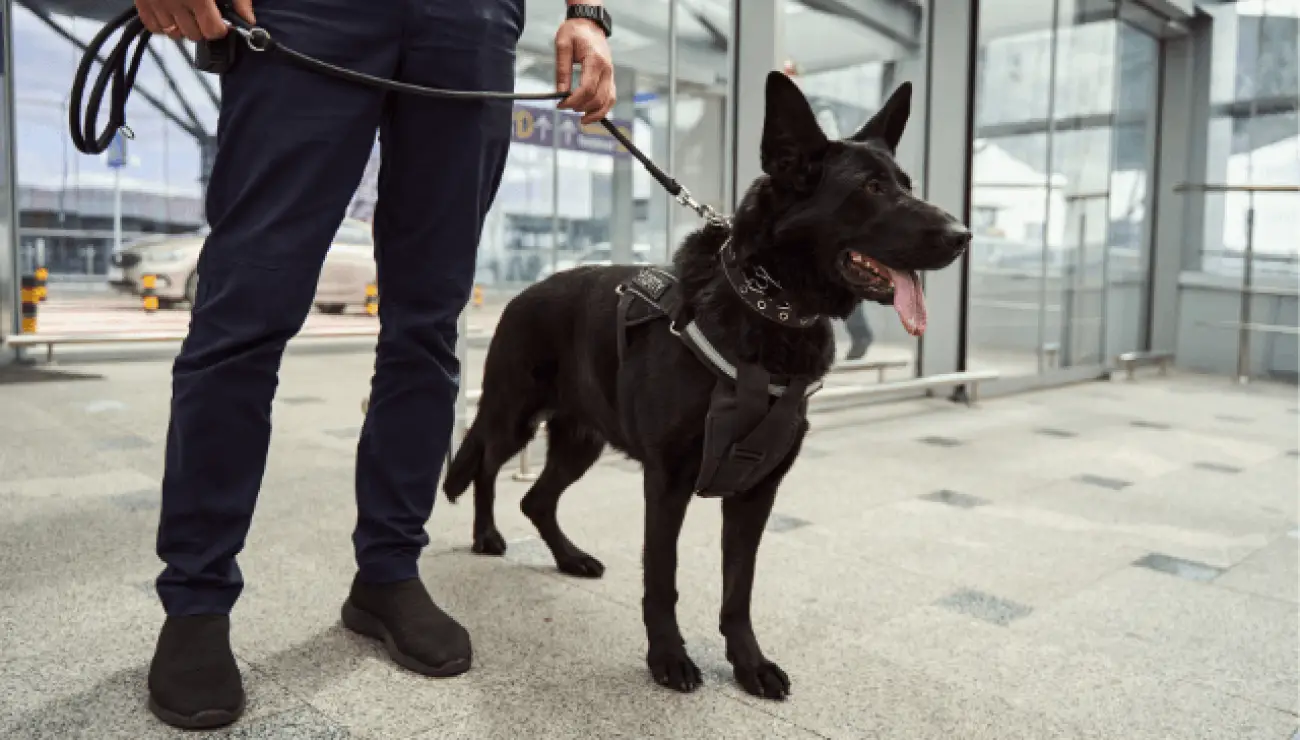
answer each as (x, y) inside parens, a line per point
(568, 128)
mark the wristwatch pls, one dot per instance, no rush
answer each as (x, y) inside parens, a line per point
(596, 13)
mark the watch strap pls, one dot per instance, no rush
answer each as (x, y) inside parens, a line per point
(596, 13)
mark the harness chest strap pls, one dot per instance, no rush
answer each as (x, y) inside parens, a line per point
(752, 422)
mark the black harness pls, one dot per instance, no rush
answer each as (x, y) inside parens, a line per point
(754, 420)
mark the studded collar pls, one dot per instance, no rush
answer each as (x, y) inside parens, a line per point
(761, 292)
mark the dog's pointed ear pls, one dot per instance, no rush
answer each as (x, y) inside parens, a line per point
(887, 125)
(792, 138)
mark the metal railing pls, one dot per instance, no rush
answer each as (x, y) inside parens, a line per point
(1245, 327)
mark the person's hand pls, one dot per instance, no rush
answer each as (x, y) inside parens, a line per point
(582, 41)
(192, 19)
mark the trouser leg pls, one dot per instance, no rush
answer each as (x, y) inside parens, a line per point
(292, 145)
(856, 323)
(442, 163)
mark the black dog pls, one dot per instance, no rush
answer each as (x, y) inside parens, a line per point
(831, 223)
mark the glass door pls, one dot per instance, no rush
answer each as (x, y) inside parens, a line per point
(1125, 270)
(1083, 124)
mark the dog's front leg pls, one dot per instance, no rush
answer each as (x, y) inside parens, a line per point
(666, 500)
(743, 520)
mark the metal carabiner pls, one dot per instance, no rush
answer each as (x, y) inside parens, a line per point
(257, 38)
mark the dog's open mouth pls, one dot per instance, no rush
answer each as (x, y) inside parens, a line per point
(874, 281)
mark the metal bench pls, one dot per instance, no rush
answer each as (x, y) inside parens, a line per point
(1132, 360)
(50, 341)
(880, 366)
(969, 381)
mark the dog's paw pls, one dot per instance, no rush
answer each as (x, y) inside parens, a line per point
(489, 542)
(766, 679)
(676, 671)
(580, 564)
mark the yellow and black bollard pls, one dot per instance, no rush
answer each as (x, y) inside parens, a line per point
(149, 292)
(372, 299)
(478, 296)
(42, 278)
(30, 295)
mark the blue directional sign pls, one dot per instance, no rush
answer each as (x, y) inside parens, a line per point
(116, 153)
(533, 124)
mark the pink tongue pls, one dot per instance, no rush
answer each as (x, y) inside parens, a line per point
(909, 301)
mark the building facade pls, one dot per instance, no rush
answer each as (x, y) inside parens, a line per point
(1116, 159)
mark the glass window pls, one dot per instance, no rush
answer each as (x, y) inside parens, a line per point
(1064, 142)
(847, 69)
(66, 200)
(1012, 184)
(563, 197)
(1254, 139)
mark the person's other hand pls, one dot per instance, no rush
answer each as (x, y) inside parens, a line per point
(192, 19)
(582, 41)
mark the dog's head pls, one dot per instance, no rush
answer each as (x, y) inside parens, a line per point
(842, 222)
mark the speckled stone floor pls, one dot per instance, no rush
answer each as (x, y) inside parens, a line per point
(1108, 560)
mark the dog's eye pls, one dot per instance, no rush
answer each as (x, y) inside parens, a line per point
(873, 187)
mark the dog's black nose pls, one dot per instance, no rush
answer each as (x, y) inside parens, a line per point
(957, 238)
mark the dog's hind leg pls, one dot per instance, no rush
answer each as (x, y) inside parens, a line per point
(571, 450)
(497, 451)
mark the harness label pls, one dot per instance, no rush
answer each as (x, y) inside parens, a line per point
(652, 283)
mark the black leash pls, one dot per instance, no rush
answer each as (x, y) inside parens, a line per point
(122, 64)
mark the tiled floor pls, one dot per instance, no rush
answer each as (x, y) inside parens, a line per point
(1101, 561)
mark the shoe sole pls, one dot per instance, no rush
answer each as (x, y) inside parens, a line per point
(208, 719)
(365, 623)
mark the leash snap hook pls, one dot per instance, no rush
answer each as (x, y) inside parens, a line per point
(257, 38)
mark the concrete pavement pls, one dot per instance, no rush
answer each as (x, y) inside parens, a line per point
(1109, 560)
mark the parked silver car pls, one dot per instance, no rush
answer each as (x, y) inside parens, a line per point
(349, 267)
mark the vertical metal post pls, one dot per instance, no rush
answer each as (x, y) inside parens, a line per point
(10, 312)
(1105, 299)
(461, 426)
(1047, 206)
(555, 189)
(1243, 331)
(671, 220)
(117, 209)
(1248, 259)
(525, 472)
(1072, 284)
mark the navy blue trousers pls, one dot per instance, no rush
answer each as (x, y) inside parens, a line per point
(292, 147)
(856, 323)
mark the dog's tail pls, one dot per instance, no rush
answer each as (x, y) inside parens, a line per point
(464, 466)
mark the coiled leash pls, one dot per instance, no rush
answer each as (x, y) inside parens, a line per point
(122, 64)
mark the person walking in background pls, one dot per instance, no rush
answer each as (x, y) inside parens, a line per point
(860, 336)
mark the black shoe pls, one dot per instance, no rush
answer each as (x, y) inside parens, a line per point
(194, 683)
(417, 634)
(857, 350)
